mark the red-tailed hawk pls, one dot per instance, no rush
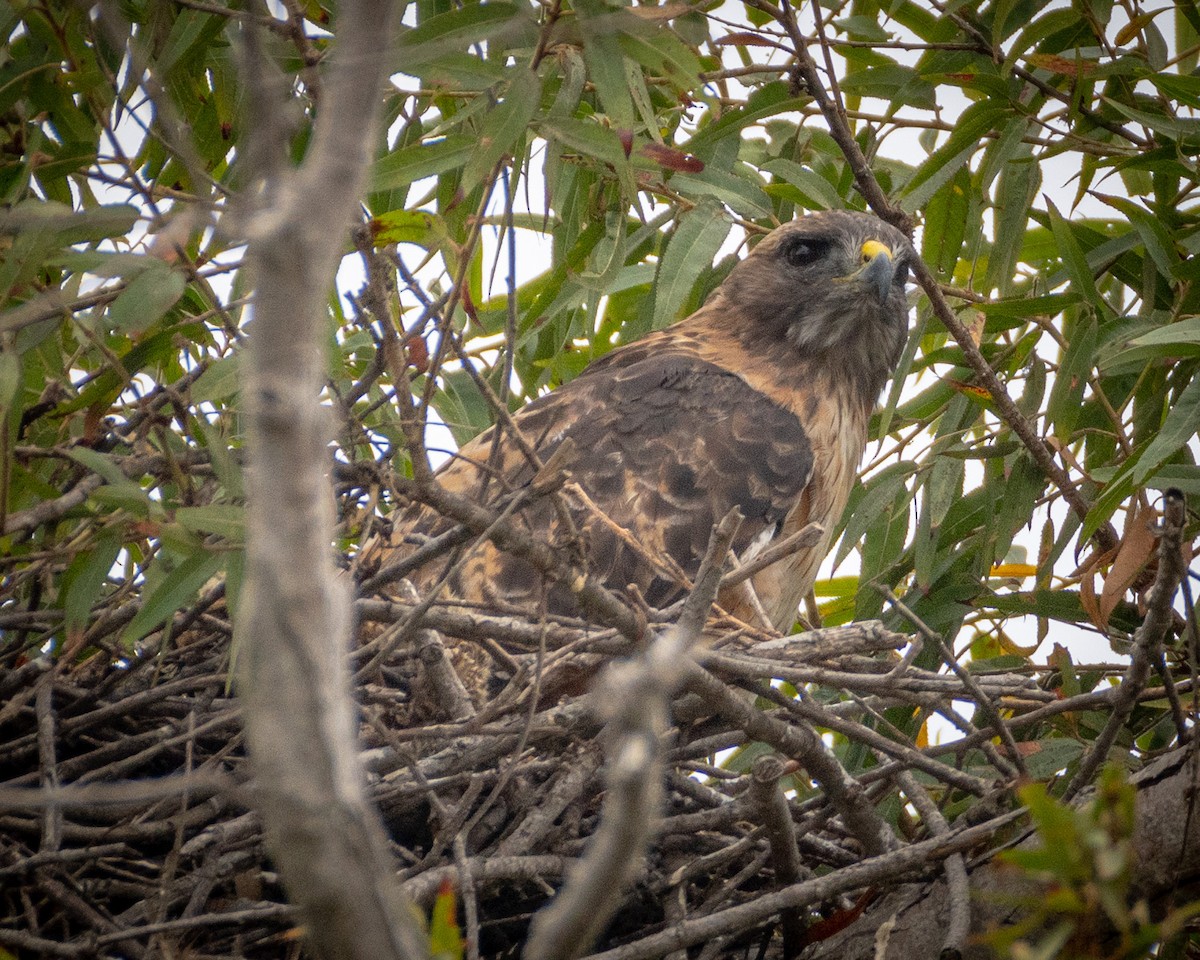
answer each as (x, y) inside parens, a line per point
(760, 399)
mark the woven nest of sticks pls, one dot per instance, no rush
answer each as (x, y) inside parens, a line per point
(149, 844)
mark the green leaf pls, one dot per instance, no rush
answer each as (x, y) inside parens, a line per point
(425, 229)
(661, 52)
(586, 137)
(1179, 428)
(945, 227)
(224, 519)
(817, 192)
(745, 196)
(952, 156)
(690, 252)
(1154, 235)
(880, 492)
(893, 82)
(504, 126)
(1042, 27)
(1172, 128)
(1073, 372)
(409, 164)
(767, 101)
(1025, 307)
(176, 591)
(1172, 341)
(146, 299)
(84, 579)
(99, 463)
(497, 22)
(1074, 259)
(218, 382)
(1016, 188)
(445, 939)
(600, 25)
(66, 226)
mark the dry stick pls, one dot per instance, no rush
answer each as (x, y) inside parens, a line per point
(52, 822)
(450, 697)
(468, 894)
(325, 838)
(868, 186)
(1095, 700)
(546, 482)
(574, 779)
(1147, 639)
(130, 793)
(637, 695)
(41, 947)
(876, 870)
(1013, 763)
(807, 536)
(803, 744)
(486, 871)
(813, 713)
(957, 881)
(767, 799)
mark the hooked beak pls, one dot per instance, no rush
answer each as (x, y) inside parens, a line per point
(878, 268)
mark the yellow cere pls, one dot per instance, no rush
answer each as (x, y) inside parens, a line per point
(873, 248)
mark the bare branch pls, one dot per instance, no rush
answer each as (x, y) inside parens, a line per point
(1147, 640)
(299, 720)
(636, 695)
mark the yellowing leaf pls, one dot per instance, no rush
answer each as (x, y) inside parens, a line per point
(445, 940)
(1129, 32)
(1010, 570)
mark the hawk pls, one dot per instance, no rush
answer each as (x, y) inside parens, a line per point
(760, 400)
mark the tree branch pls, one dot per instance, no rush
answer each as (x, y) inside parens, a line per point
(291, 637)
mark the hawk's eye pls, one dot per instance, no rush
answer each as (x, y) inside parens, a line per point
(901, 276)
(802, 252)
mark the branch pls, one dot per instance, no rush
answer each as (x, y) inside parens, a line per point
(766, 797)
(876, 870)
(1166, 844)
(637, 694)
(300, 724)
(800, 743)
(1147, 639)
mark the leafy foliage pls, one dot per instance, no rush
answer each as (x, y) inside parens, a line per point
(557, 179)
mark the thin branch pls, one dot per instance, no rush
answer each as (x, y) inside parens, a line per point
(884, 868)
(636, 696)
(766, 797)
(1147, 639)
(327, 841)
(954, 940)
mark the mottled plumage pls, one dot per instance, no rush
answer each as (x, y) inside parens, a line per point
(760, 399)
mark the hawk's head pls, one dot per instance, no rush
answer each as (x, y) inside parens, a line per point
(831, 286)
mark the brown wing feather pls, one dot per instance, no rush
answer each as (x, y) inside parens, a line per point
(664, 445)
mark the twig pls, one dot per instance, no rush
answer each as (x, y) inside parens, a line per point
(52, 819)
(765, 795)
(1013, 763)
(636, 695)
(875, 870)
(802, 744)
(808, 536)
(955, 938)
(1147, 639)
